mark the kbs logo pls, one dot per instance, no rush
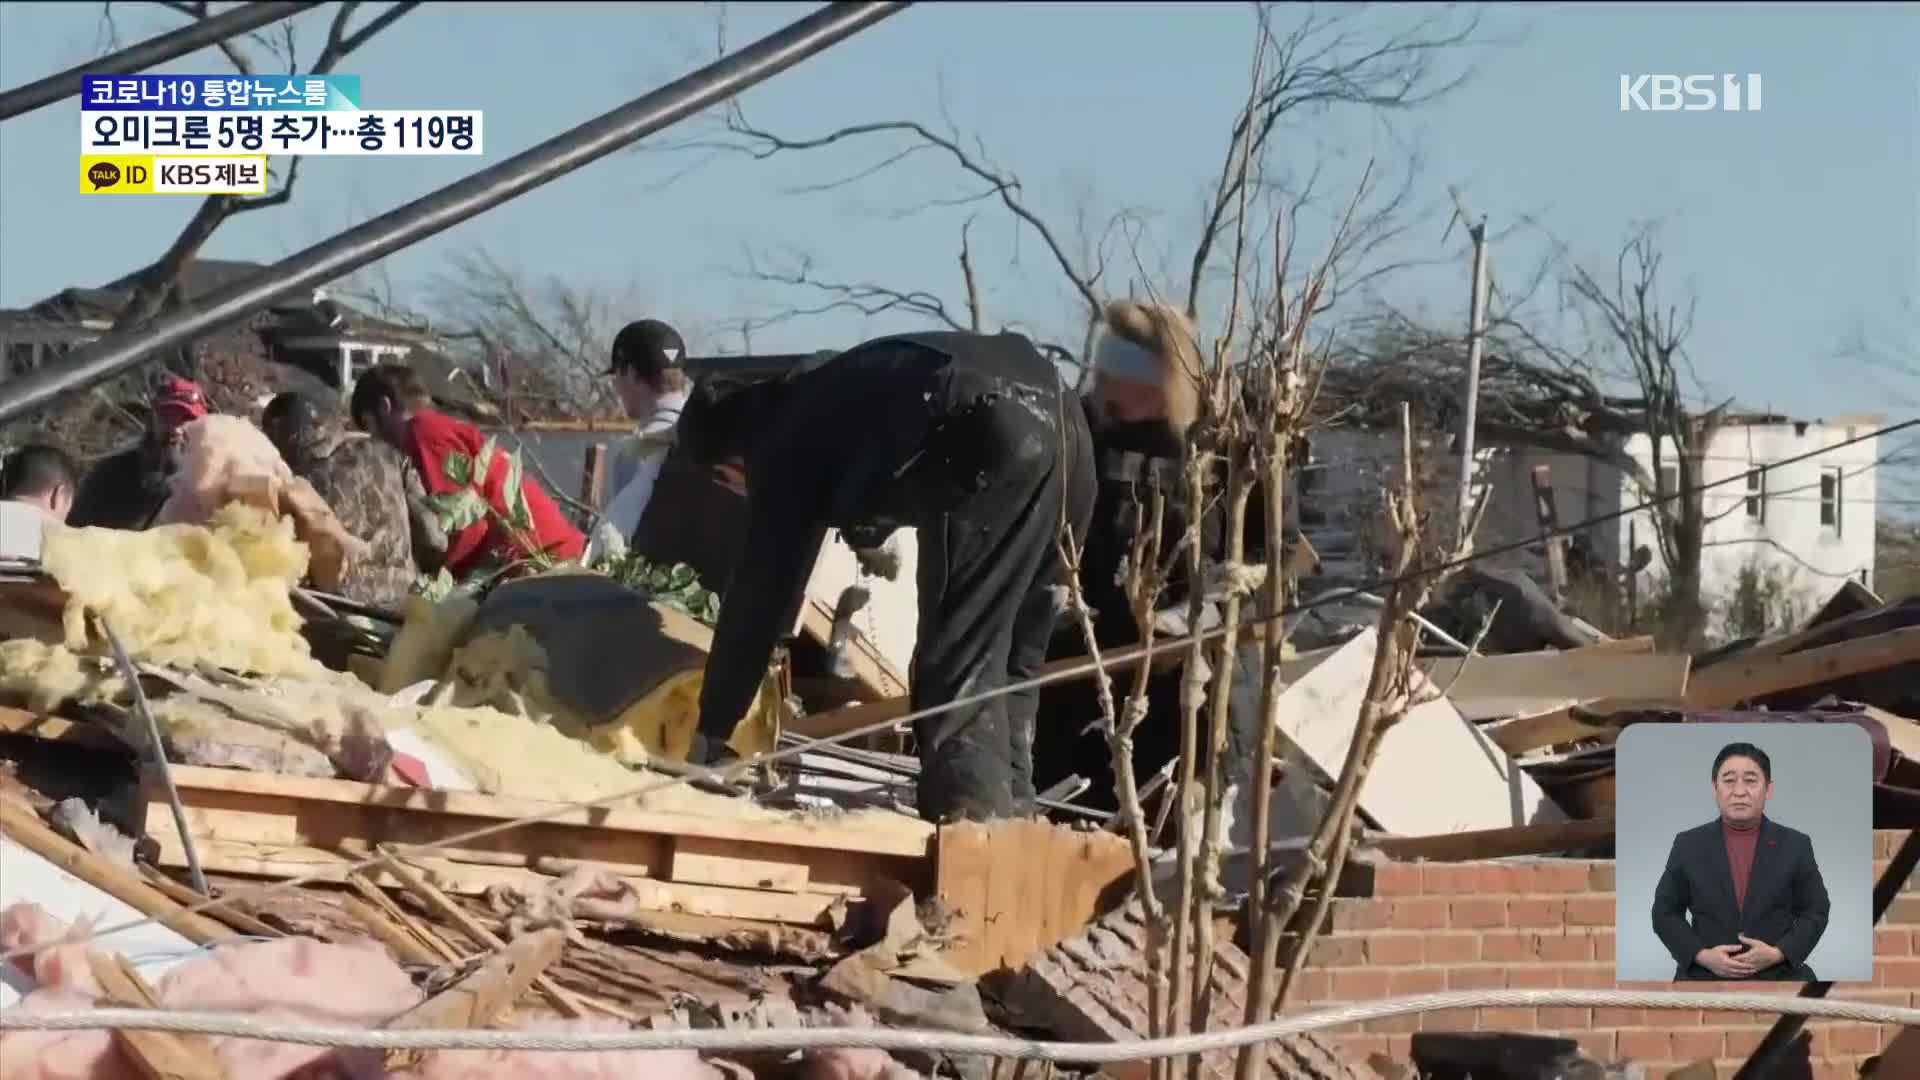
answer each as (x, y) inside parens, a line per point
(1689, 93)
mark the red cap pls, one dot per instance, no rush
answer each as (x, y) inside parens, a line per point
(180, 401)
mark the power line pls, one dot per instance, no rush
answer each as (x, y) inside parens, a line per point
(155, 50)
(739, 768)
(339, 255)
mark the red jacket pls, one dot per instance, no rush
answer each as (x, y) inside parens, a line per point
(433, 436)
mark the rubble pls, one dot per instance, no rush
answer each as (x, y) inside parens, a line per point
(814, 902)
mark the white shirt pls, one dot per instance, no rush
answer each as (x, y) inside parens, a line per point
(21, 527)
(647, 453)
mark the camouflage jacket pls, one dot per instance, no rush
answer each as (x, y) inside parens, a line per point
(367, 483)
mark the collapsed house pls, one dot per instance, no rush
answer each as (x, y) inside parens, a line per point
(421, 810)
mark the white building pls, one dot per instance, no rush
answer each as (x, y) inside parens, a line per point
(1808, 525)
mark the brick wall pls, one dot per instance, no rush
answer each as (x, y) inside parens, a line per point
(1547, 924)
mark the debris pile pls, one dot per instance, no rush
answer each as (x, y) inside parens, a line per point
(396, 846)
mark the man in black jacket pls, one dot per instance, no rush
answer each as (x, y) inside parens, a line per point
(969, 439)
(1751, 885)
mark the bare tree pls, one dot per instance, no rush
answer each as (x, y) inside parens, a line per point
(544, 341)
(1324, 59)
(156, 285)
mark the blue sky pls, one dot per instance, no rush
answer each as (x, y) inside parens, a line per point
(1795, 226)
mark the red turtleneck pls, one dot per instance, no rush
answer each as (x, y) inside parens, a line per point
(1740, 845)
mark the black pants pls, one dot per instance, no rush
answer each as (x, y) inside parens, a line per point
(989, 566)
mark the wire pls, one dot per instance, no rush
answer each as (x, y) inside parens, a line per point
(942, 1042)
(739, 768)
(437, 211)
(154, 51)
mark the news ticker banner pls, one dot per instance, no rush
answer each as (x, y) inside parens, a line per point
(148, 134)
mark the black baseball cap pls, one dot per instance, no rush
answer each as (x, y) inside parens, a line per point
(648, 346)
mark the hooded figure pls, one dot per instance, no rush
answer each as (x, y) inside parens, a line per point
(127, 490)
(1146, 394)
(969, 439)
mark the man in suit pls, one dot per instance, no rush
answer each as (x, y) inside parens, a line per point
(1750, 884)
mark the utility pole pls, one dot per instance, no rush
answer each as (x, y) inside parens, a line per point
(1476, 333)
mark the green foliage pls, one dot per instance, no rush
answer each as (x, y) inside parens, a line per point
(676, 586)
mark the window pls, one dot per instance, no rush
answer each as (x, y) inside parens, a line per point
(1757, 494)
(1669, 482)
(1830, 499)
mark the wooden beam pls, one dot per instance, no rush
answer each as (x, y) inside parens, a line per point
(1497, 843)
(1643, 644)
(874, 834)
(483, 997)
(1727, 683)
(21, 825)
(158, 1055)
(1558, 678)
(1741, 678)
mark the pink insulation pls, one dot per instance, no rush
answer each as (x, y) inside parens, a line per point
(295, 980)
(300, 981)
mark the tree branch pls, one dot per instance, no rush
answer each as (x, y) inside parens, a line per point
(154, 285)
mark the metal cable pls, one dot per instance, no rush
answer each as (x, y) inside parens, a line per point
(371, 241)
(941, 1042)
(155, 50)
(740, 768)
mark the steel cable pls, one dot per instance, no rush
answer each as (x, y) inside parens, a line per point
(942, 1042)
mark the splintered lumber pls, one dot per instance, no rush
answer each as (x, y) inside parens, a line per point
(758, 865)
(239, 920)
(1093, 988)
(482, 998)
(24, 827)
(159, 1055)
(1731, 681)
(444, 907)
(1016, 887)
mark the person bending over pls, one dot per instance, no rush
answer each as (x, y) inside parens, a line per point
(969, 439)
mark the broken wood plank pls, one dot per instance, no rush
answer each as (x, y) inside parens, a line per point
(1642, 644)
(1727, 683)
(239, 920)
(158, 1055)
(1497, 843)
(21, 825)
(394, 928)
(1741, 678)
(483, 997)
(872, 833)
(1014, 888)
(247, 859)
(1558, 678)
(445, 908)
